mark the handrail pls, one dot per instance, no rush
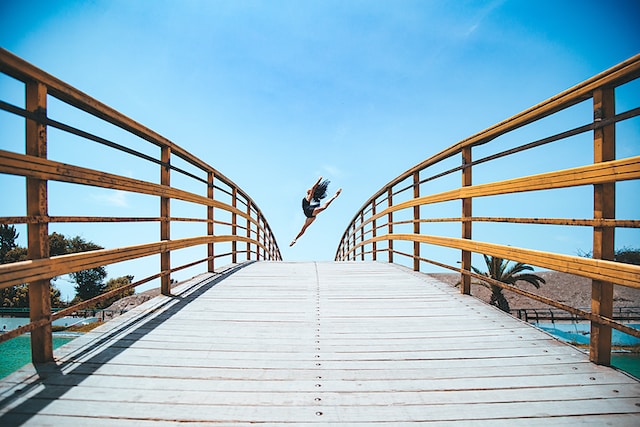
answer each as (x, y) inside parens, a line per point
(384, 219)
(228, 222)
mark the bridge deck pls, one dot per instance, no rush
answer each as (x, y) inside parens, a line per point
(312, 343)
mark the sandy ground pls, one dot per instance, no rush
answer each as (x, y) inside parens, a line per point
(566, 288)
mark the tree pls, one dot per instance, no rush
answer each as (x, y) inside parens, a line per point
(627, 255)
(116, 283)
(498, 269)
(18, 296)
(8, 237)
(89, 283)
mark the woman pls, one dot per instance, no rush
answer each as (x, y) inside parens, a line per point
(311, 204)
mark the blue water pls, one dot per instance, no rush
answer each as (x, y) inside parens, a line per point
(9, 323)
(579, 333)
(16, 352)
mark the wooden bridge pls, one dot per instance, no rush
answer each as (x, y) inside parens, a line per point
(278, 343)
(359, 341)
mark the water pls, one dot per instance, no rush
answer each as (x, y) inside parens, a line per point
(579, 333)
(9, 323)
(628, 362)
(16, 352)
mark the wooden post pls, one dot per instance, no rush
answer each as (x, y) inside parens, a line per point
(416, 221)
(465, 280)
(249, 230)
(165, 222)
(210, 224)
(361, 235)
(390, 223)
(374, 248)
(234, 227)
(353, 236)
(604, 196)
(38, 233)
(259, 236)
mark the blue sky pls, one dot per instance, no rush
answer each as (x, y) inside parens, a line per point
(276, 93)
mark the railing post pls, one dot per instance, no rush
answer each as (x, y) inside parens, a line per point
(353, 236)
(165, 222)
(390, 223)
(374, 248)
(361, 235)
(234, 227)
(38, 233)
(465, 280)
(210, 223)
(248, 230)
(258, 235)
(416, 221)
(603, 237)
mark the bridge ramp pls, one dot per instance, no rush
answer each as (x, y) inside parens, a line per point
(318, 343)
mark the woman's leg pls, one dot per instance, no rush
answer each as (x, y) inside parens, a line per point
(307, 223)
(319, 209)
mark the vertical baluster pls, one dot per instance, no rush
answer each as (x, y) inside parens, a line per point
(38, 232)
(248, 229)
(165, 222)
(210, 224)
(465, 280)
(390, 223)
(259, 236)
(362, 235)
(374, 248)
(234, 219)
(416, 221)
(603, 237)
(353, 238)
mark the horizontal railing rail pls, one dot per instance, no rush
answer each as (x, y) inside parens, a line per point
(393, 220)
(232, 225)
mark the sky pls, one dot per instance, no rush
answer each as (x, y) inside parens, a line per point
(274, 94)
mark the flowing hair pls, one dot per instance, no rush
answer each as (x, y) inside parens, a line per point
(321, 190)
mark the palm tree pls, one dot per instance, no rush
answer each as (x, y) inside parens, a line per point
(498, 269)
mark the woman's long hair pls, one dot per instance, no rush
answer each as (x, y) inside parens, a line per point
(321, 190)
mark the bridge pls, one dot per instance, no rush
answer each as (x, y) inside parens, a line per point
(319, 343)
(368, 339)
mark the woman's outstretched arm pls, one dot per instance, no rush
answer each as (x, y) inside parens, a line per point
(312, 190)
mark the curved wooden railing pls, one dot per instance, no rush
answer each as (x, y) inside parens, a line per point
(233, 227)
(395, 219)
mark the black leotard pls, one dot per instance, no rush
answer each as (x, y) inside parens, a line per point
(308, 207)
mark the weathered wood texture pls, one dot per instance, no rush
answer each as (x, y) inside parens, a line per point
(319, 343)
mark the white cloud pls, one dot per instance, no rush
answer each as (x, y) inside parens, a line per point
(116, 198)
(332, 171)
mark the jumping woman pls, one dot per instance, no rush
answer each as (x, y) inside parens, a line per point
(311, 204)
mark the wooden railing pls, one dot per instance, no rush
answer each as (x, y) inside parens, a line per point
(577, 128)
(232, 225)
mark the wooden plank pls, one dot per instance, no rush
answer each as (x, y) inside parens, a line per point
(319, 344)
(26, 271)
(616, 272)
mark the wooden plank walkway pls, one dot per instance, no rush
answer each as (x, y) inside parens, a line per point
(308, 344)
